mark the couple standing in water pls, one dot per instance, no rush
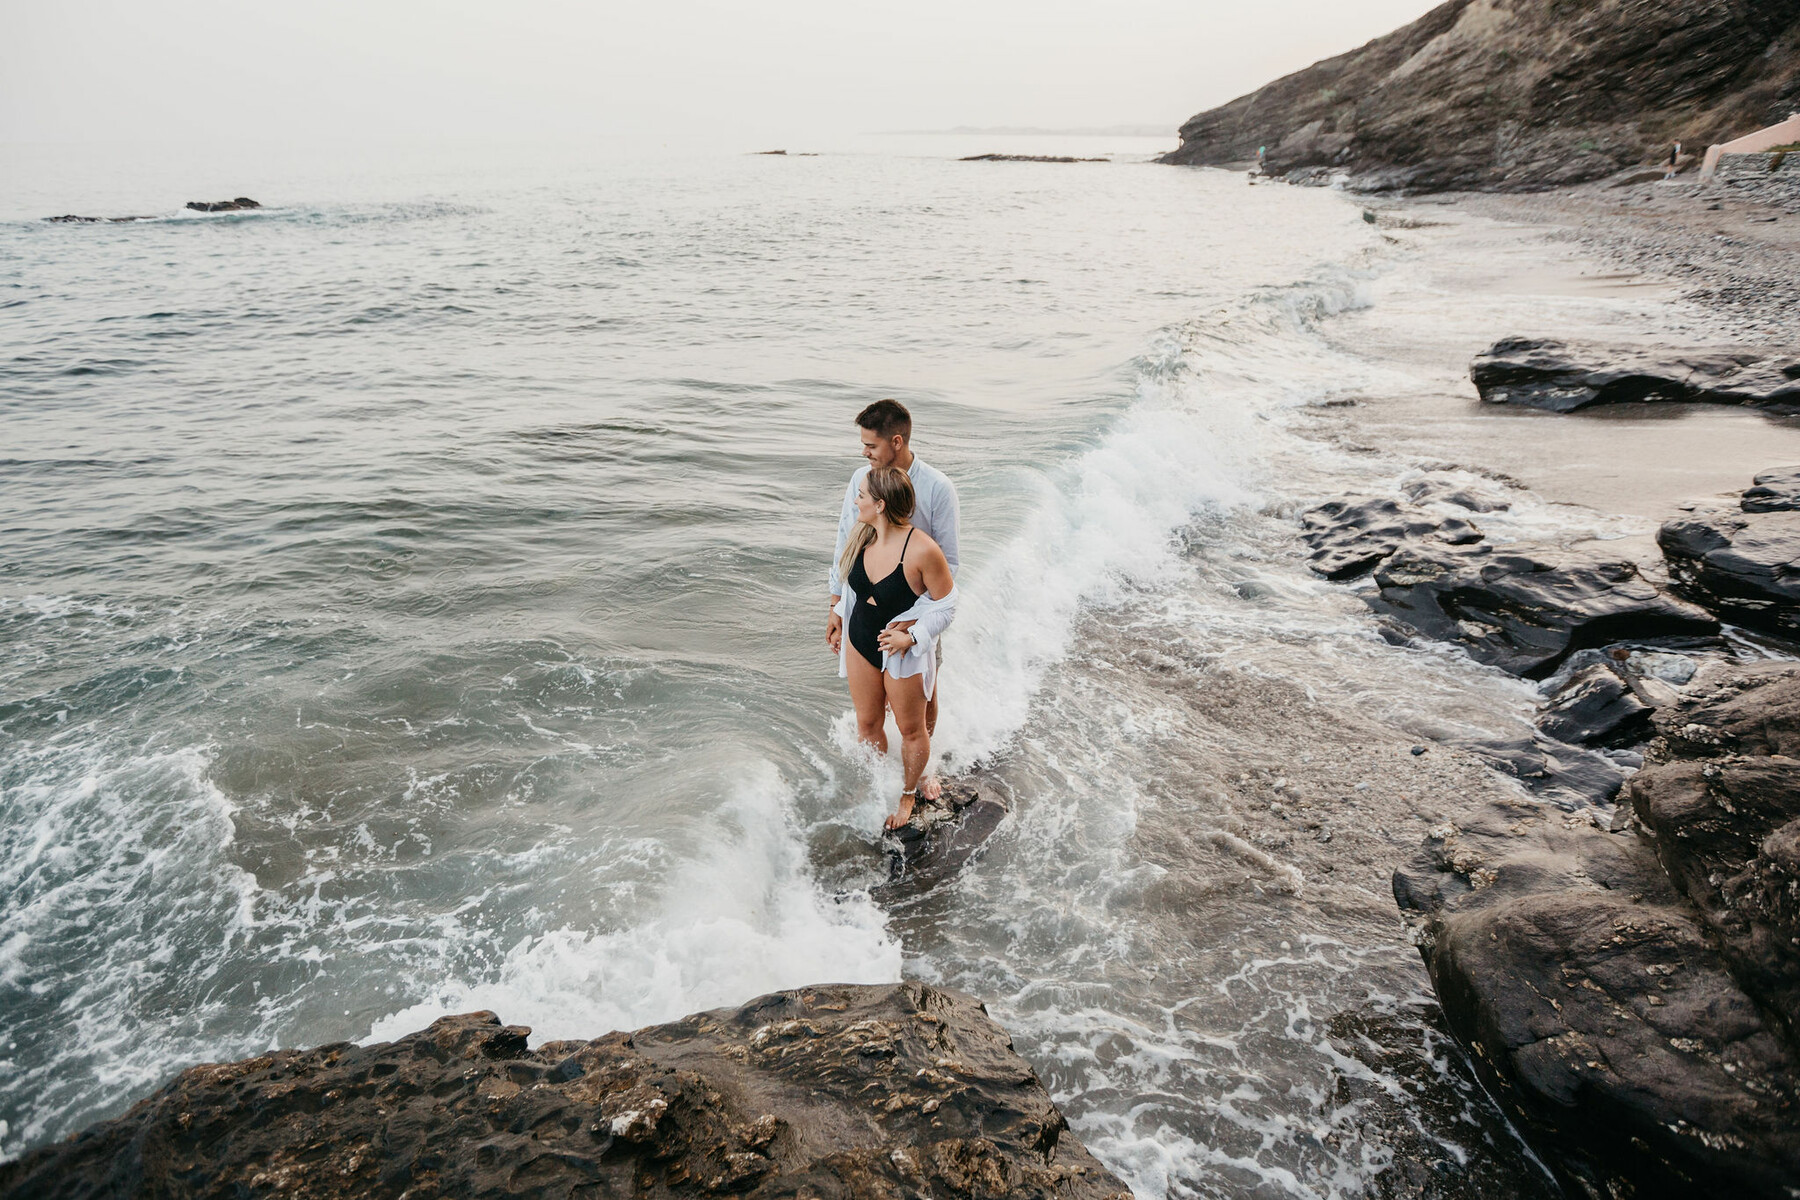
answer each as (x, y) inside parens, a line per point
(893, 593)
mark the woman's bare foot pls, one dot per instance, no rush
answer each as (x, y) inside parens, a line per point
(930, 788)
(901, 815)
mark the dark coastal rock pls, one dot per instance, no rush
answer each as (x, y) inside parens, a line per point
(242, 202)
(1752, 709)
(1726, 831)
(1349, 536)
(1563, 377)
(1631, 996)
(1596, 1011)
(1598, 706)
(1773, 491)
(1525, 95)
(72, 219)
(943, 837)
(1558, 772)
(1745, 566)
(1525, 612)
(836, 1091)
(1038, 158)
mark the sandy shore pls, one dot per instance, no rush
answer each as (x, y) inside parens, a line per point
(1643, 266)
(1739, 259)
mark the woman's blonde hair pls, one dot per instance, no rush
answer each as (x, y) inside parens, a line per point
(893, 490)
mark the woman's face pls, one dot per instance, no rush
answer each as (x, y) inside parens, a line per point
(865, 507)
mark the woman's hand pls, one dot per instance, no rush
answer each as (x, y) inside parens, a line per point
(895, 640)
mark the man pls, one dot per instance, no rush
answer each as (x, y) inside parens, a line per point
(886, 431)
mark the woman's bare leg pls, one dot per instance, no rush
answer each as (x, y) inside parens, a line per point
(907, 699)
(870, 699)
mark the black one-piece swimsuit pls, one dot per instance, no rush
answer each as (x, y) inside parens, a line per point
(877, 603)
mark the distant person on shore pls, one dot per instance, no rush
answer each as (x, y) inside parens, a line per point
(1674, 157)
(885, 429)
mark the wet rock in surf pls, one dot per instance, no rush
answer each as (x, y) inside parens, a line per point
(943, 836)
(240, 203)
(1743, 565)
(1442, 489)
(1563, 377)
(1526, 611)
(833, 1091)
(1349, 536)
(1628, 992)
(1566, 775)
(73, 219)
(1598, 706)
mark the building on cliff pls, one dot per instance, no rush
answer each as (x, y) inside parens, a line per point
(1782, 133)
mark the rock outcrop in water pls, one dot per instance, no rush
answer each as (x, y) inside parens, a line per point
(1523, 609)
(1518, 94)
(1563, 376)
(1526, 609)
(943, 837)
(237, 205)
(1033, 158)
(1629, 995)
(836, 1092)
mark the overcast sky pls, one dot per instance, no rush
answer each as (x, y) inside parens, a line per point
(140, 70)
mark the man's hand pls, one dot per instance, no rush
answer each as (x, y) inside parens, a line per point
(889, 639)
(834, 628)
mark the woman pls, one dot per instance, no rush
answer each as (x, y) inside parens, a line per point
(898, 598)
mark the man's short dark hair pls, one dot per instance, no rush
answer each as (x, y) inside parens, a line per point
(885, 418)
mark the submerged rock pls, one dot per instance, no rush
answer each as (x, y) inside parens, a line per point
(1563, 376)
(837, 1091)
(1351, 535)
(1745, 566)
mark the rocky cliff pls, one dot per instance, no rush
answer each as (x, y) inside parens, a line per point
(1519, 94)
(834, 1092)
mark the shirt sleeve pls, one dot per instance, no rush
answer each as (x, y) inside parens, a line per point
(946, 517)
(846, 522)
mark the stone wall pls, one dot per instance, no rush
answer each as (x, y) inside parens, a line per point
(1750, 177)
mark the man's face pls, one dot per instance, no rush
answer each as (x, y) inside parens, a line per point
(880, 451)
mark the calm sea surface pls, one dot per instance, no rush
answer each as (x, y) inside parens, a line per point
(411, 601)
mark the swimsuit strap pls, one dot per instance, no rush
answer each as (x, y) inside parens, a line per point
(904, 545)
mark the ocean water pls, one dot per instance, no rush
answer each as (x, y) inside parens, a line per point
(411, 601)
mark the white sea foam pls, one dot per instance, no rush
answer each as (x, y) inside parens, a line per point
(120, 862)
(742, 917)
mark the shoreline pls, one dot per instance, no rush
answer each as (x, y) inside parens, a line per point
(1510, 903)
